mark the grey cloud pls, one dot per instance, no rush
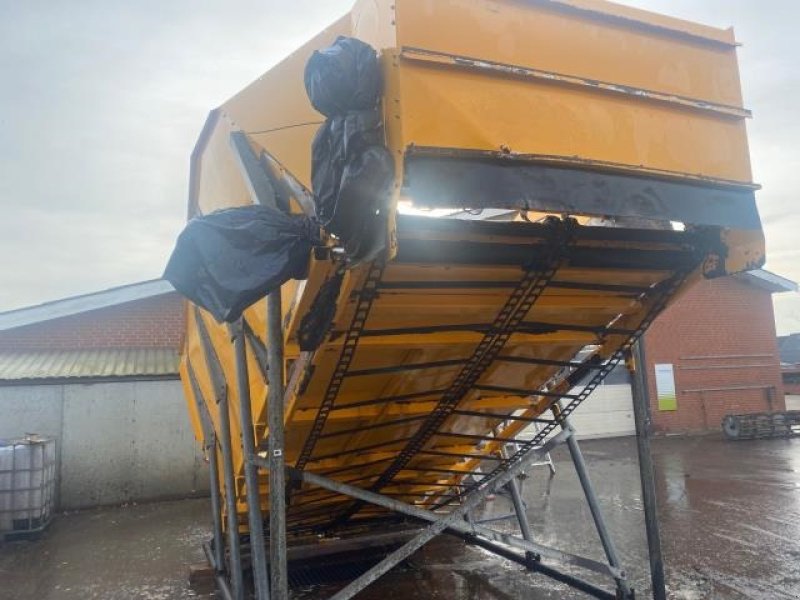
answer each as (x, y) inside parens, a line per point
(102, 102)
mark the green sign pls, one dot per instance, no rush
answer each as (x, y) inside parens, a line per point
(665, 387)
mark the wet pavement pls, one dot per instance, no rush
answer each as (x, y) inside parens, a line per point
(140, 552)
(730, 523)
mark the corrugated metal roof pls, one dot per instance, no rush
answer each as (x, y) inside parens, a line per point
(768, 280)
(79, 304)
(109, 363)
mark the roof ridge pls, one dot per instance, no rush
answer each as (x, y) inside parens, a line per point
(72, 305)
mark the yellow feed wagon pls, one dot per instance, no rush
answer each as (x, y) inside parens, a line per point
(558, 172)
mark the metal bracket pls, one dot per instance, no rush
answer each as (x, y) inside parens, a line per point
(454, 522)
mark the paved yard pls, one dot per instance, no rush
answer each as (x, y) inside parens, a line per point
(730, 517)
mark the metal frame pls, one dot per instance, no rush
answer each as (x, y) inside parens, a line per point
(449, 513)
(255, 520)
(594, 505)
(265, 189)
(641, 414)
(30, 526)
(459, 523)
(220, 386)
(514, 488)
(210, 447)
(279, 577)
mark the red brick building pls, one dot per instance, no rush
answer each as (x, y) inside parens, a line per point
(141, 321)
(720, 341)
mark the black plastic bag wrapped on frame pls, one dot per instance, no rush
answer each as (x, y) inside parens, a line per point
(351, 169)
(338, 140)
(343, 77)
(230, 259)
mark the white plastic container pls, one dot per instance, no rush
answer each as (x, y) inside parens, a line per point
(27, 483)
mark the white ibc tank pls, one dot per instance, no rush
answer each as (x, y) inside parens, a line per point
(6, 489)
(27, 483)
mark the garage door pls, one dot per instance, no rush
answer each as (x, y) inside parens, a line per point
(792, 402)
(608, 412)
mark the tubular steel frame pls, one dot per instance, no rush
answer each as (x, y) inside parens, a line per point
(456, 522)
(270, 577)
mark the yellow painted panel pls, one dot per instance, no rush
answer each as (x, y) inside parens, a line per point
(551, 37)
(463, 109)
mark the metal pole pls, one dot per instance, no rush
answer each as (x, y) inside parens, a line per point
(594, 505)
(519, 509)
(210, 445)
(230, 499)
(257, 548)
(641, 414)
(453, 519)
(277, 477)
(222, 583)
(216, 509)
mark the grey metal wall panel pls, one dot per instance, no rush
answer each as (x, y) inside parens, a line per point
(117, 442)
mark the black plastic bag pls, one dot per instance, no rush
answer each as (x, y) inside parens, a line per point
(364, 191)
(316, 323)
(338, 141)
(343, 77)
(351, 169)
(232, 258)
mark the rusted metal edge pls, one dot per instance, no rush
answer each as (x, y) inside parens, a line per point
(431, 56)
(458, 178)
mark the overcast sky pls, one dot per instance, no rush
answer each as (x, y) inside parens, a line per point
(101, 102)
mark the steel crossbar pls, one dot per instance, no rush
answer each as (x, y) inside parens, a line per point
(454, 521)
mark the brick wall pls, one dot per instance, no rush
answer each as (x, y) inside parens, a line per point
(151, 322)
(720, 339)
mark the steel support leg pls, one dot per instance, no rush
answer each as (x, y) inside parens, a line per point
(623, 588)
(522, 518)
(641, 413)
(216, 509)
(277, 475)
(234, 551)
(519, 508)
(210, 445)
(257, 549)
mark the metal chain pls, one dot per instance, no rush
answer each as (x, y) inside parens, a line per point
(517, 306)
(365, 299)
(672, 286)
